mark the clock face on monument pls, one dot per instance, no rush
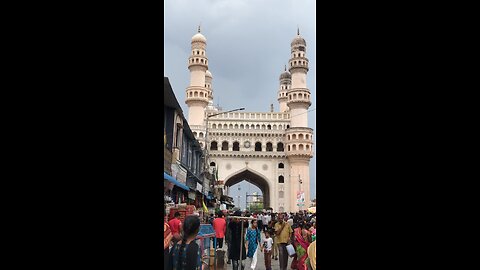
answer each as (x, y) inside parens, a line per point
(247, 144)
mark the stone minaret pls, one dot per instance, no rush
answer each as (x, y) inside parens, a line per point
(285, 84)
(197, 93)
(299, 135)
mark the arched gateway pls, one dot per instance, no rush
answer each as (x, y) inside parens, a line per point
(254, 178)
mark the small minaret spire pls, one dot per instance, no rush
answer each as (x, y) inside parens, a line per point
(271, 107)
(298, 30)
(199, 27)
(285, 67)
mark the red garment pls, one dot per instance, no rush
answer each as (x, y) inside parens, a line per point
(175, 226)
(167, 235)
(220, 227)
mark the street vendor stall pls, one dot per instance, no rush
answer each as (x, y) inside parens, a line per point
(183, 209)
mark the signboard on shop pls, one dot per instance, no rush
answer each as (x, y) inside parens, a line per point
(199, 187)
(179, 173)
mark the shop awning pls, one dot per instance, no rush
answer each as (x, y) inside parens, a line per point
(173, 180)
(227, 203)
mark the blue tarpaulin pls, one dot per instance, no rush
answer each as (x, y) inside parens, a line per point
(173, 180)
(206, 230)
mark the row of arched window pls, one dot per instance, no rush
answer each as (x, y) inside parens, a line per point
(197, 60)
(199, 134)
(248, 134)
(197, 52)
(300, 137)
(280, 165)
(300, 96)
(236, 146)
(286, 87)
(195, 94)
(299, 55)
(300, 147)
(299, 62)
(252, 126)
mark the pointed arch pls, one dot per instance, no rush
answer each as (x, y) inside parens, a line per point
(253, 177)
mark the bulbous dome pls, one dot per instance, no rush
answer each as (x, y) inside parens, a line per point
(211, 107)
(208, 74)
(298, 40)
(285, 75)
(198, 37)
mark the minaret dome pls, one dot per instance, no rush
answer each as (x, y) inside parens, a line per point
(198, 37)
(208, 74)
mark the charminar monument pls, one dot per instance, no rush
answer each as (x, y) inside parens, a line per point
(271, 150)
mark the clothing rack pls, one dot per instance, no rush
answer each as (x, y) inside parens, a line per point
(241, 239)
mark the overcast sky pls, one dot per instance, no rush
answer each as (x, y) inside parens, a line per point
(248, 45)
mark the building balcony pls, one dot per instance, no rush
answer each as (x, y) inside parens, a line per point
(300, 153)
(254, 116)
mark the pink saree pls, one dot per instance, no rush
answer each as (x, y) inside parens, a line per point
(301, 246)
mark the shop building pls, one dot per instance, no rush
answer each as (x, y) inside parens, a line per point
(183, 156)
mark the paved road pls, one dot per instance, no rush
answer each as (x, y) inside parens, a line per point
(260, 262)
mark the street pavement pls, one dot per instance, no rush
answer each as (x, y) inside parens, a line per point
(260, 262)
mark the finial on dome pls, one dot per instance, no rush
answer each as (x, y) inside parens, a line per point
(199, 27)
(285, 67)
(298, 30)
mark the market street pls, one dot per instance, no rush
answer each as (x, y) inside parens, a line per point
(260, 262)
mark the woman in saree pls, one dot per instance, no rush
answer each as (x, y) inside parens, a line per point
(301, 240)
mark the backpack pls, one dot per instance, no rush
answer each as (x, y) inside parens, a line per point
(181, 263)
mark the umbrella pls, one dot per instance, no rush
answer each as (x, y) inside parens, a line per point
(312, 209)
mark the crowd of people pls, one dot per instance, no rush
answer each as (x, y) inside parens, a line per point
(277, 235)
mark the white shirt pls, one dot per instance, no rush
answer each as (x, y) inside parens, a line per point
(267, 243)
(264, 220)
(260, 217)
(290, 221)
(267, 219)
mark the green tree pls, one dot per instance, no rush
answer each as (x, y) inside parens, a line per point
(255, 206)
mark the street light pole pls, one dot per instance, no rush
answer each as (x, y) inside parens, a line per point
(300, 191)
(239, 206)
(246, 199)
(206, 143)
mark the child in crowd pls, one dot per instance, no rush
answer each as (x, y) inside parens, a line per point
(266, 247)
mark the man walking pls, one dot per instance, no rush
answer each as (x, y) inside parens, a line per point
(220, 227)
(266, 220)
(283, 232)
(176, 227)
(260, 221)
